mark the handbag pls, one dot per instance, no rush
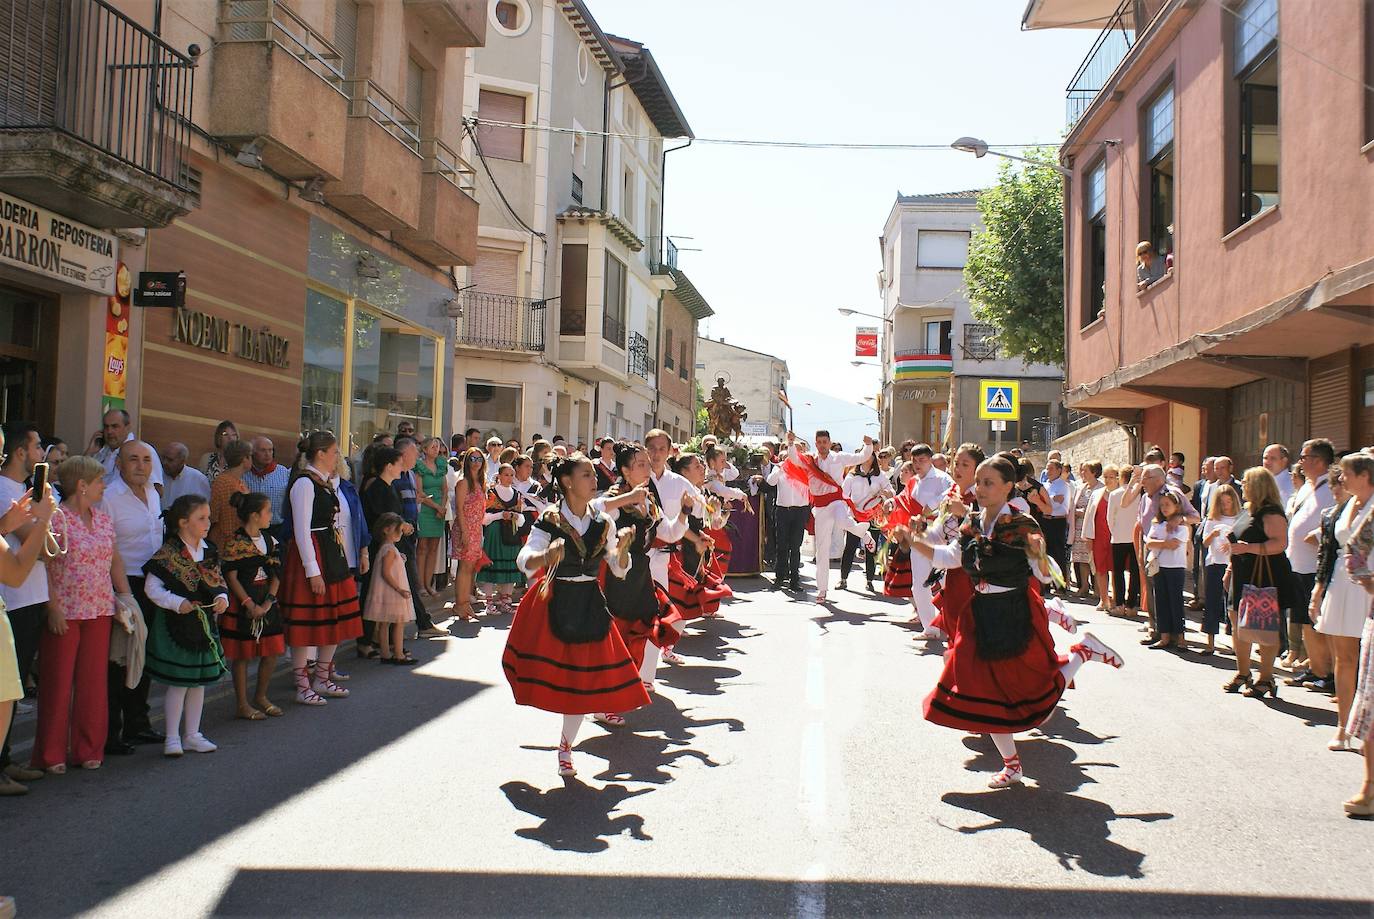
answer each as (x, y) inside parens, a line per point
(1258, 619)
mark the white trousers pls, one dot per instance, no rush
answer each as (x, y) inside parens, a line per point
(829, 519)
(921, 598)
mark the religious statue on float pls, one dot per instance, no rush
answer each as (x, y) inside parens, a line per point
(725, 413)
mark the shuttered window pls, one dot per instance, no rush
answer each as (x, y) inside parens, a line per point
(28, 62)
(498, 142)
(346, 35)
(415, 90)
(1329, 398)
(497, 272)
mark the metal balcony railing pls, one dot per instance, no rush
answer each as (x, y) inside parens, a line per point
(440, 158)
(368, 100)
(274, 22)
(664, 257)
(638, 360)
(501, 322)
(81, 67)
(1111, 47)
(613, 330)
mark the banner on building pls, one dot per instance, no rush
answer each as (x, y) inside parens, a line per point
(865, 341)
(116, 369)
(920, 365)
(38, 240)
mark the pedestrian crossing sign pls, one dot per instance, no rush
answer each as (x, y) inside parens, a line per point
(999, 400)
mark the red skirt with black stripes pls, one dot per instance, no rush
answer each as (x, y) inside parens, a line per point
(720, 553)
(993, 697)
(897, 573)
(308, 620)
(568, 679)
(662, 629)
(694, 598)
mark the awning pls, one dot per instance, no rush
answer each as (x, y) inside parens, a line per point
(1068, 14)
(1274, 341)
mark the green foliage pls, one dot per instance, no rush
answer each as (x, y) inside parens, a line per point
(702, 423)
(1015, 269)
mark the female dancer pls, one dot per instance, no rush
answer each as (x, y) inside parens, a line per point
(562, 654)
(604, 464)
(717, 464)
(693, 585)
(504, 530)
(319, 598)
(251, 629)
(897, 567)
(865, 487)
(1001, 674)
(640, 606)
(469, 507)
(528, 485)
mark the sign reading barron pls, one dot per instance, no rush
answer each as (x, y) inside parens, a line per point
(865, 341)
(49, 244)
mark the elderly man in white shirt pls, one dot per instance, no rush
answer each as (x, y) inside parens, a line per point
(117, 430)
(179, 478)
(136, 512)
(828, 506)
(1315, 496)
(1276, 459)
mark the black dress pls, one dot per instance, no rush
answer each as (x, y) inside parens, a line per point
(1280, 571)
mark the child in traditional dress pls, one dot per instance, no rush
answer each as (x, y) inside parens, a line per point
(388, 598)
(504, 531)
(252, 629)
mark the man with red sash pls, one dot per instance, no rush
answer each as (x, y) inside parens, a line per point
(821, 474)
(923, 495)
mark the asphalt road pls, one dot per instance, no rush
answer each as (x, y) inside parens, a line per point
(785, 770)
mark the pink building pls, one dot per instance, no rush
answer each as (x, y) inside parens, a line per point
(1236, 138)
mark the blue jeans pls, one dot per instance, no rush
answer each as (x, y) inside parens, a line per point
(1169, 601)
(1216, 608)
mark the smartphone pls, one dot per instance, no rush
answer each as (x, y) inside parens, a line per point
(40, 479)
(1231, 537)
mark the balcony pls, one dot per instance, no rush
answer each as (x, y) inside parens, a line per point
(501, 323)
(456, 23)
(94, 115)
(279, 90)
(1110, 49)
(382, 161)
(664, 258)
(447, 232)
(921, 364)
(638, 361)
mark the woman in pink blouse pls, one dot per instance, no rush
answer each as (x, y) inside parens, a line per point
(74, 650)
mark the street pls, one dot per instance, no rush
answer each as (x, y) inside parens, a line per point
(784, 770)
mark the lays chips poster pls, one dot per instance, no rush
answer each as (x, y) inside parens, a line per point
(117, 341)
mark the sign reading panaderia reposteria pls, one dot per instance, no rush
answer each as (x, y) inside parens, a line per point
(49, 244)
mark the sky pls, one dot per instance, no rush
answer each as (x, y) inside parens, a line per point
(789, 236)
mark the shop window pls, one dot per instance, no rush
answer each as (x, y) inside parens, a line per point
(495, 410)
(1159, 150)
(1256, 68)
(393, 377)
(1095, 205)
(498, 141)
(322, 370)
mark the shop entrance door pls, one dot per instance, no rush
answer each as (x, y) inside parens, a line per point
(25, 373)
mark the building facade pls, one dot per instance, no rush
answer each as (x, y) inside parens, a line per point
(683, 308)
(304, 183)
(561, 311)
(1201, 129)
(755, 380)
(934, 353)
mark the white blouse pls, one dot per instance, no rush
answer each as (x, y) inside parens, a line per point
(540, 540)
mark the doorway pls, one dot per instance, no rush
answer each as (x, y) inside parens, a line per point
(28, 349)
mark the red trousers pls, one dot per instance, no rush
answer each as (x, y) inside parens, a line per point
(71, 693)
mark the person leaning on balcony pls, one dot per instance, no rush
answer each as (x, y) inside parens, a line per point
(1148, 267)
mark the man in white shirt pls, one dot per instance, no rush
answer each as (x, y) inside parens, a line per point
(1277, 460)
(133, 505)
(494, 448)
(26, 604)
(1308, 503)
(793, 509)
(117, 430)
(179, 478)
(828, 507)
(668, 488)
(759, 483)
(1056, 522)
(926, 490)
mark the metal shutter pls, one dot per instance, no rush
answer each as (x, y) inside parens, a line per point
(497, 272)
(29, 62)
(1329, 398)
(501, 143)
(346, 35)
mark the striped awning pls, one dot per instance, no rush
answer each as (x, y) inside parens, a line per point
(919, 365)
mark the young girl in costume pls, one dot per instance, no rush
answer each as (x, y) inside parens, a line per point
(897, 567)
(563, 655)
(389, 602)
(693, 584)
(251, 630)
(1001, 674)
(184, 581)
(504, 530)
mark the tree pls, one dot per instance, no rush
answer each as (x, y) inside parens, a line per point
(1015, 269)
(701, 422)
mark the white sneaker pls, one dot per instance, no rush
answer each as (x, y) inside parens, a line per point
(610, 719)
(197, 743)
(670, 656)
(171, 746)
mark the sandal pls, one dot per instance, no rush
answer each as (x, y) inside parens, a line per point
(1238, 682)
(368, 652)
(1257, 690)
(251, 714)
(270, 710)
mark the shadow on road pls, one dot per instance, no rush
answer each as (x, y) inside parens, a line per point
(371, 893)
(577, 817)
(697, 679)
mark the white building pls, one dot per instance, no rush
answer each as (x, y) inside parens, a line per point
(934, 352)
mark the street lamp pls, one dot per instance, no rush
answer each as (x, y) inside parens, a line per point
(845, 311)
(864, 364)
(979, 148)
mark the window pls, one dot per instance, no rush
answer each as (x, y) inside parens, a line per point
(682, 359)
(1159, 152)
(1369, 70)
(1095, 203)
(980, 341)
(613, 317)
(393, 377)
(322, 370)
(572, 290)
(938, 337)
(1368, 399)
(668, 349)
(627, 198)
(498, 142)
(415, 91)
(495, 409)
(508, 15)
(1257, 75)
(941, 248)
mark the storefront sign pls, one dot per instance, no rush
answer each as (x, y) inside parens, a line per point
(917, 395)
(161, 288)
(116, 369)
(49, 244)
(865, 341)
(754, 428)
(202, 330)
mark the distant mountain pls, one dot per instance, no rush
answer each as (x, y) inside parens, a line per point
(847, 422)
